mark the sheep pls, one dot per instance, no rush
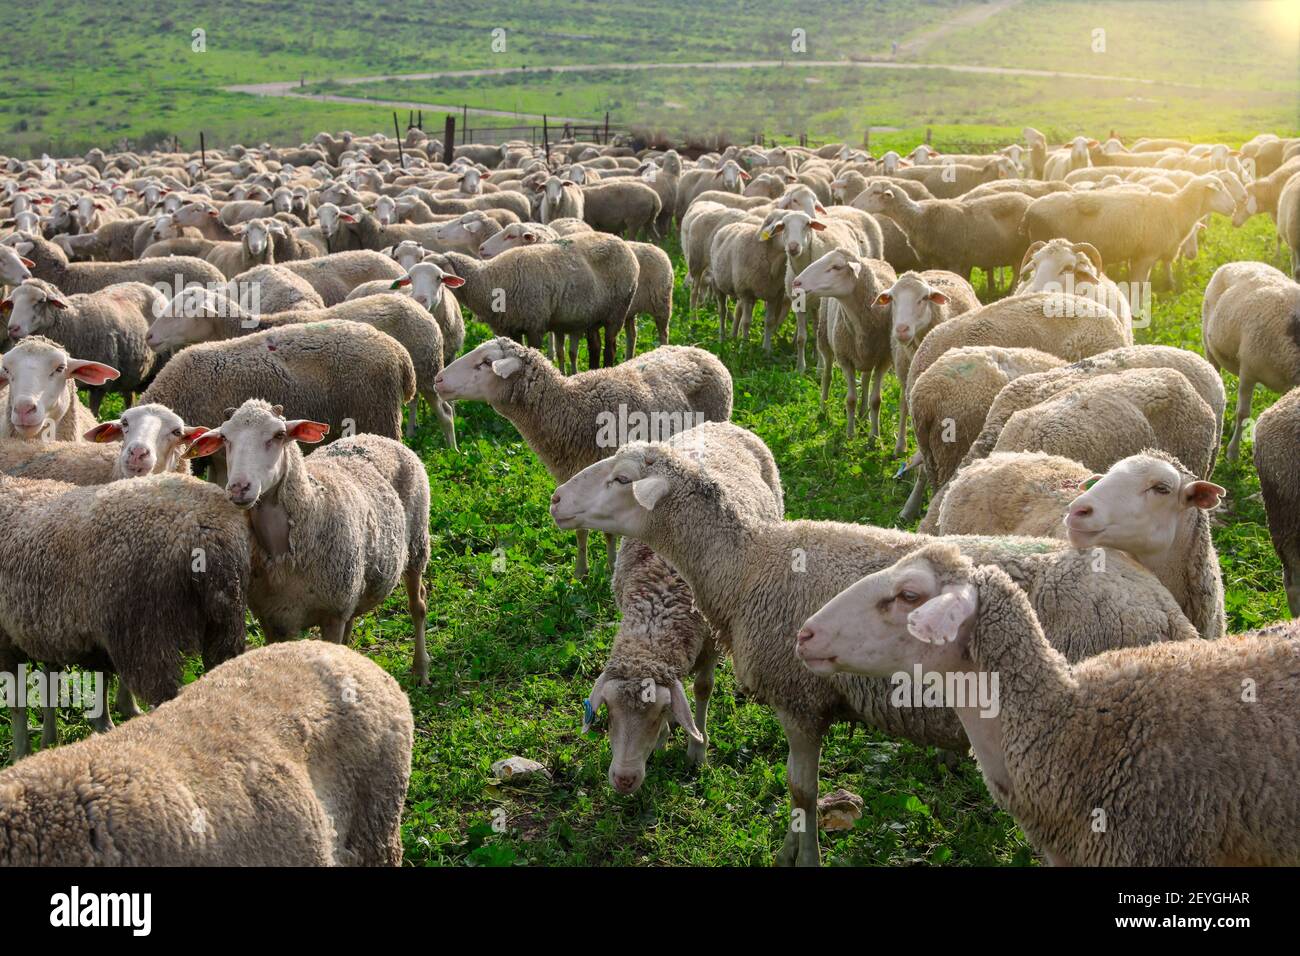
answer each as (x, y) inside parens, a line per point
(1276, 446)
(153, 441)
(918, 301)
(950, 180)
(1250, 325)
(1032, 188)
(855, 330)
(466, 233)
(172, 552)
(653, 296)
(1146, 505)
(527, 233)
(728, 177)
(746, 267)
(351, 376)
(431, 288)
(50, 263)
(738, 565)
(1075, 267)
(948, 403)
(335, 530)
(570, 422)
(698, 227)
(269, 290)
(577, 285)
(623, 207)
(1288, 221)
(108, 326)
(1264, 193)
(1075, 155)
(253, 248)
(561, 199)
(1139, 228)
(335, 275)
(199, 316)
(1160, 739)
(956, 234)
(41, 401)
(663, 636)
(324, 735)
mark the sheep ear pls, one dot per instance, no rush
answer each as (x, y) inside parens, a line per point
(648, 491)
(27, 262)
(938, 298)
(941, 619)
(818, 225)
(682, 711)
(304, 430)
(591, 705)
(452, 281)
(104, 432)
(204, 445)
(56, 303)
(91, 373)
(401, 283)
(855, 267)
(1088, 482)
(1203, 494)
(507, 366)
(191, 432)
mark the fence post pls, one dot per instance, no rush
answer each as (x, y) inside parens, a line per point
(397, 133)
(449, 139)
(927, 136)
(606, 127)
(464, 123)
(546, 142)
(203, 150)
(866, 139)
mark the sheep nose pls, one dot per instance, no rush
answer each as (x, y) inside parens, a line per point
(137, 453)
(797, 284)
(1080, 511)
(238, 490)
(25, 408)
(555, 498)
(15, 331)
(624, 783)
(904, 331)
(805, 635)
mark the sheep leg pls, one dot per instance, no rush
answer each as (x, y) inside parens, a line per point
(608, 356)
(800, 341)
(22, 741)
(1245, 391)
(851, 400)
(446, 420)
(865, 382)
(128, 400)
(1140, 271)
(416, 603)
(126, 701)
(336, 630)
(991, 273)
(629, 330)
(697, 753)
(877, 380)
(913, 506)
(611, 551)
(826, 384)
(801, 771)
(96, 399)
(581, 568)
(575, 343)
(772, 319)
(49, 727)
(661, 324)
(900, 444)
(410, 416)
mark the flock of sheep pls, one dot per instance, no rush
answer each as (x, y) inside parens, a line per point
(251, 301)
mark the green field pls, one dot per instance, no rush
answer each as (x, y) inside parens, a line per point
(515, 647)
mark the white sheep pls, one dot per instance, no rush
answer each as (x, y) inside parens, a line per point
(41, 401)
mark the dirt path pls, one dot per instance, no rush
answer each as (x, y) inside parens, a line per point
(970, 18)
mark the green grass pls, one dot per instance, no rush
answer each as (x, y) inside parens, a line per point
(516, 644)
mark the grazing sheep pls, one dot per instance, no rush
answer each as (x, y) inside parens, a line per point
(170, 550)
(739, 568)
(1147, 505)
(200, 316)
(570, 422)
(579, 285)
(50, 263)
(108, 326)
(1250, 325)
(1138, 228)
(292, 755)
(663, 637)
(1160, 742)
(351, 376)
(624, 207)
(335, 275)
(855, 329)
(335, 530)
(41, 401)
(1277, 449)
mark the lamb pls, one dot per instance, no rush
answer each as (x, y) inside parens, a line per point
(579, 285)
(855, 331)
(663, 636)
(1250, 325)
(325, 733)
(50, 263)
(108, 326)
(1140, 228)
(1171, 788)
(172, 552)
(1146, 505)
(570, 422)
(956, 235)
(917, 302)
(1276, 445)
(335, 530)
(153, 441)
(41, 401)
(337, 274)
(624, 207)
(739, 568)
(1075, 267)
(351, 376)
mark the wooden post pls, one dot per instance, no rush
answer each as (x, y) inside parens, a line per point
(606, 127)
(927, 136)
(546, 141)
(401, 154)
(464, 123)
(203, 151)
(866, 139)
(449, 139)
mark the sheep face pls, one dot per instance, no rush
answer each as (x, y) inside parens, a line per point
(164, 227)
(879, 198)
(1137, 506)
(37, 372)
(282, 200)
(891, 621)
(802, 199)
(1216, 196)
(257, 235)
(195, 214)
(471, 182)
(426, 282)
(834, 274)
(514, 235)
(15, 267)
(616, 495)
(29, 310)
(1048, 264)
(386, 210)
(255, 438)
(406, 253)
(480, 375)
(639, 711)
(910, 301)
(467, 231)
(731, 175)
(153, 437)
(795, 231)
(190, 317)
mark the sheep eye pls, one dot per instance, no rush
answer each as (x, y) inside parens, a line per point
(175, 431)
(909, 597)
(622, 479)
(1160, 489)
(60, 370)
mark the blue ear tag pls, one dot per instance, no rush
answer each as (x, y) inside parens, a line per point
(588, 715)
(902, 470)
